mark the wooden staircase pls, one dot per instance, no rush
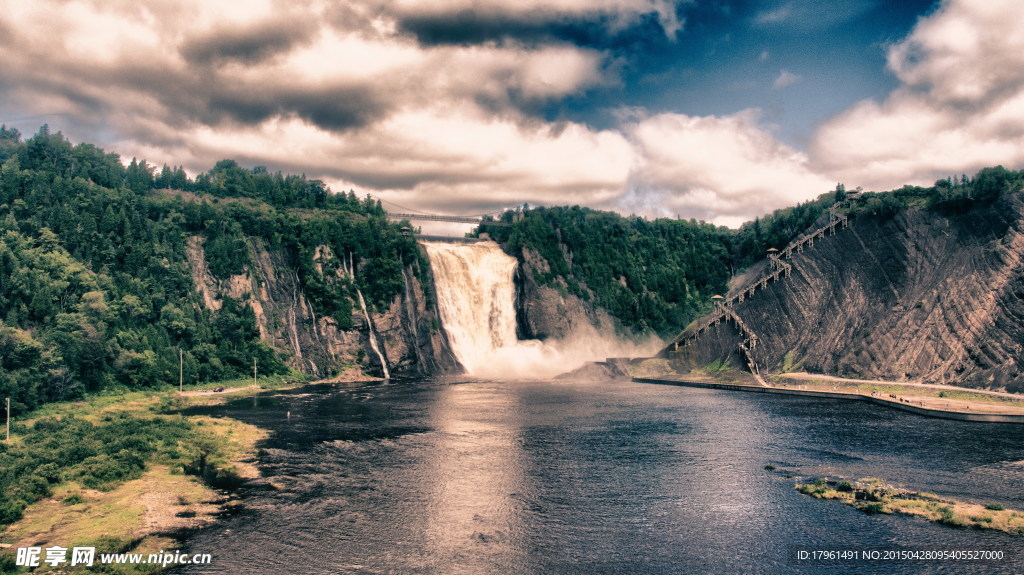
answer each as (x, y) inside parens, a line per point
(778, 270)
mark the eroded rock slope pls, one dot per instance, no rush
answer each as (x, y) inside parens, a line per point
(912, 296)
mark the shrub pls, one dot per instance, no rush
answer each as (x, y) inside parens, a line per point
(10, 511)
(994, 507)
(844, 486)
(949, 517)
(49, 472)
(874, 508)
(102, 471)
(8, 564)
(874, 495)
(74, 499)
(770, 467)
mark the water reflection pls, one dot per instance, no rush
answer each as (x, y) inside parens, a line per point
(472, 479)
(534, 477)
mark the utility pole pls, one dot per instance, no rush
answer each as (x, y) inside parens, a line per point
(8, 420)
(254, 371)
(181, 371)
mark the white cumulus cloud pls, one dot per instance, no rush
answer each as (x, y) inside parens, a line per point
(959, 107)
(721, 169)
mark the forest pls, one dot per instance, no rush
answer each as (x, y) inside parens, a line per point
(95, 290)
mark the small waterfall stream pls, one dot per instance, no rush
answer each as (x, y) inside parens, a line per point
(373, 337)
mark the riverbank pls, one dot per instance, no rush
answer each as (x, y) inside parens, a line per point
(174, 474)
(892, 395)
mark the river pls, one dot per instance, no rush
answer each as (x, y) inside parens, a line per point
(436, 476)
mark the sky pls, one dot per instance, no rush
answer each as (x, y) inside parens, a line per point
(719, 110)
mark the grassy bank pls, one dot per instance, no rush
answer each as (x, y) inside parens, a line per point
(873, 496)
(123, 472)
(951, 394)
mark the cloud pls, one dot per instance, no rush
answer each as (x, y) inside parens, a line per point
(348, 92)
(806, 15)
(248, 44)
(150, 69)
(785, 79)
(460, 21)
(775, 15)
(722, 169)
(959, 106)
(451, 159)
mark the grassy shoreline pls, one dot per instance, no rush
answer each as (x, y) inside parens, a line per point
(165, 475)
(933, 399)
(948, 397)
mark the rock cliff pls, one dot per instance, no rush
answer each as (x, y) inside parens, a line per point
(550, 311)
(915, 295)
(408, 330)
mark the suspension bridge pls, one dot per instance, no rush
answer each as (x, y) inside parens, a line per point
(445, 218)
(410, 214)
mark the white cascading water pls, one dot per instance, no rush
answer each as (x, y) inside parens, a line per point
(373, 337)
(476, 300)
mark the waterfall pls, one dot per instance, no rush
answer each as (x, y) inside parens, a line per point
(373, 337)
(476, 301)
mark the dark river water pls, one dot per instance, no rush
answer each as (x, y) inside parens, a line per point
(539, 477)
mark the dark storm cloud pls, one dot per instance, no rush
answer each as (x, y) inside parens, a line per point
(167, 103)
(248, 44)
(468, 27)
(623, 45)
(335, 108)
(471, 27)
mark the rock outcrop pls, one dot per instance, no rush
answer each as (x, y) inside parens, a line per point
(550, 311)
(413, 344)
(912, 296)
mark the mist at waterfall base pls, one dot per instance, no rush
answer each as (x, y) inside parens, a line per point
(476, 301)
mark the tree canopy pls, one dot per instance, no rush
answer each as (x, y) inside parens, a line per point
(95, 288)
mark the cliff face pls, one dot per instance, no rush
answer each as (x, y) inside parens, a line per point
(407, 332)
(550, 311)
(414, 342)
(914, 296)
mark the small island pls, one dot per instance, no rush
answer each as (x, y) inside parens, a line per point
(872, 495)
